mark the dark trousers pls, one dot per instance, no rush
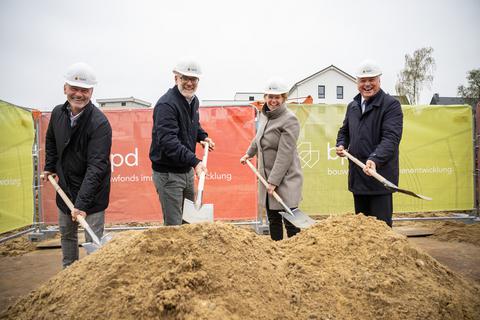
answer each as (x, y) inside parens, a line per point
(380, 206)
(276, 221)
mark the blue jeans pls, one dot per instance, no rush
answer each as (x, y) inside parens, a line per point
(69, 234)
(172, 189)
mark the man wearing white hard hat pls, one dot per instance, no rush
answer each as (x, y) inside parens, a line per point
(275, 146)
(371, 131)
(175, 133)
(77, 150)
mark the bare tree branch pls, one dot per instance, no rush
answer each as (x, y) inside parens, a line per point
(418, 71)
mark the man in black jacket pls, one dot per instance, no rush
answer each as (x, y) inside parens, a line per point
(372, 131)
(78, 143)
(176, 130)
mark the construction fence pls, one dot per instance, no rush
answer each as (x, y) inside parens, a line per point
(436, 159)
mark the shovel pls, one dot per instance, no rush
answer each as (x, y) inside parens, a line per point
(198, 212)
(89, 246)
(295, 216)
(384, 181)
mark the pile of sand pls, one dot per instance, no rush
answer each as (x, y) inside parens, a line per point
(349, 267)
(16, 246)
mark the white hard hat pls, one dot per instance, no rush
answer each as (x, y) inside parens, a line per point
(80, 75)
(368, 68)
(276, 86)
(188, 67)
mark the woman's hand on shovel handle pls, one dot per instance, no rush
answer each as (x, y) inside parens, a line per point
(271, 188)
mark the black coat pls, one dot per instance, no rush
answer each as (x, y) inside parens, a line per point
(80, 156)
(175, 133)
(374, 135)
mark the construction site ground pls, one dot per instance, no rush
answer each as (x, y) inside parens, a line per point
(456, 245)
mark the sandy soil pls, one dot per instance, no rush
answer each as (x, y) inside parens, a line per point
(350, 267)
(16, 246)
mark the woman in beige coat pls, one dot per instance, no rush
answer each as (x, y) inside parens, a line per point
(276, 148)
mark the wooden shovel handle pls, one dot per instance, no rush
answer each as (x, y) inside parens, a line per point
(68, 202)
(62, 194)
(201, 179)
(265, 183)
(372, 172)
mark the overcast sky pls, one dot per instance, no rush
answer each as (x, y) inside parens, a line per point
(133, 45)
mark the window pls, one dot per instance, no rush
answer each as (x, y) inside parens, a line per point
(321, 92)
(124, 104)
(339, 92)
(251, 98)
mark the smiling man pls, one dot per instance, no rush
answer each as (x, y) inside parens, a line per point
(175, 133)
(371, 131)
(77, 150)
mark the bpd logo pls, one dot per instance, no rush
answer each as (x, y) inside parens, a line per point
(118, 159)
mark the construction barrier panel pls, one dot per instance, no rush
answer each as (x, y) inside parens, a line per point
(436, 159)
(230, 186)
(17, 135)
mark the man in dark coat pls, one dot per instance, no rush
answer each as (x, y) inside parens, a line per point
(371, 132)
(78, 144)
(175, 133)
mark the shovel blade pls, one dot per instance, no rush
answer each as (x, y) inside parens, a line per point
(91, 247)
(413, 194)
(298, 219)
(192, 215)
(407, 192)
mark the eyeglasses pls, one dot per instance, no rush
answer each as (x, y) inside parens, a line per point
(186, 79)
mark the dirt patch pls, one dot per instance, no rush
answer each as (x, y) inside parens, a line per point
(458, 231)
(16, 246)
(424, 214)
(448, 230)
(349, 267)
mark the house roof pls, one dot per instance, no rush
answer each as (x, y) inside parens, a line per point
(331, 67)
(436, 99)
(129, 99)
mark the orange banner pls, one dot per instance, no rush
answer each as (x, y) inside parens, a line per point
(230, 186)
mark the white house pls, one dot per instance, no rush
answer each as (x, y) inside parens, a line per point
(248, 96)
(240, 99)
(330, 86)
(123, 103)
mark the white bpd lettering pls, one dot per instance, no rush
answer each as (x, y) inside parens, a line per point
(130, 159)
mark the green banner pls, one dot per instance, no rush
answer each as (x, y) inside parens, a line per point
(16, 167)
(436, 159)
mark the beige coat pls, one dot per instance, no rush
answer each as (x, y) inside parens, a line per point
(276, 148)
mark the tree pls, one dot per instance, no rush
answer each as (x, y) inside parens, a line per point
(418, 71)
(471, 94)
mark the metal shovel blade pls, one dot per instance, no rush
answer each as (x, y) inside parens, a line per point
(393, 187)
(389, 185)
(91, 247)
(192, 215)
(298, 218)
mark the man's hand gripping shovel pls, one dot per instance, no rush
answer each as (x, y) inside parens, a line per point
(89, 246)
